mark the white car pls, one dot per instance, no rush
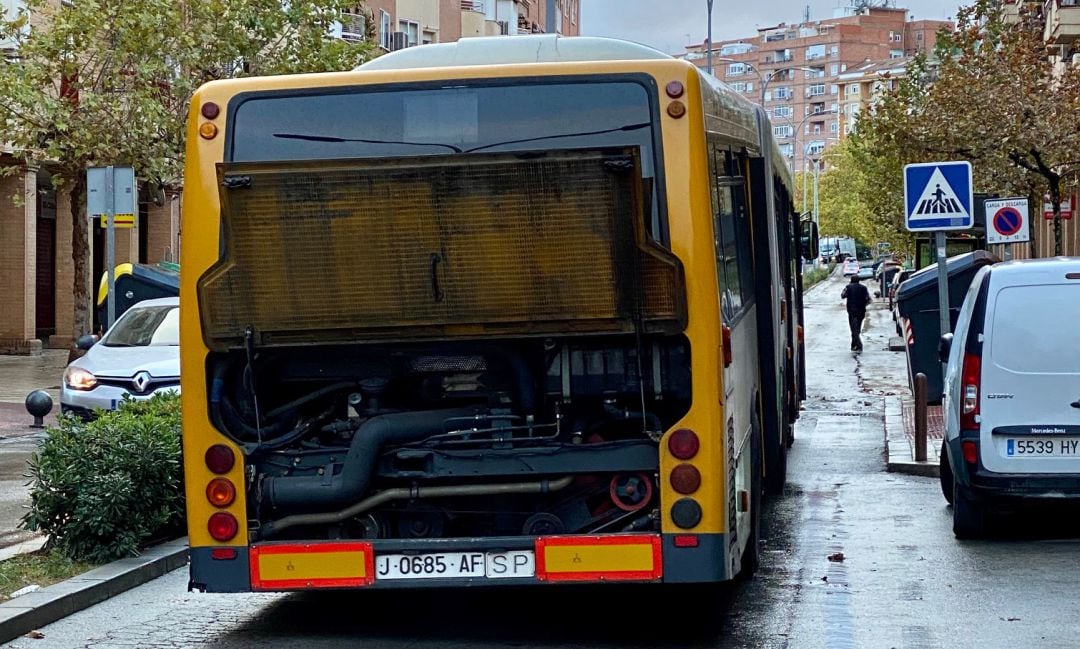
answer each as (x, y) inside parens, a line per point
(1012, 391)
(851, 267)
(138, 357)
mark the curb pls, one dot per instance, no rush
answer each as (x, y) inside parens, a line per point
(898, 450)
(34, 610)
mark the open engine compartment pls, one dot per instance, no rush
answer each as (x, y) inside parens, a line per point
(452, 438)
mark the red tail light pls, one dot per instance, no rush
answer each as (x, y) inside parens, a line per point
(970, 450)
(686, 540)
(220, 459)
(684, 443)
(969, 392)
(685, 479)
(727, 346)
(223, 526)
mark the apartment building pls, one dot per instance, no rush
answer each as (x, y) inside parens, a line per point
(862, 86)
(407, 23)
(795, 70)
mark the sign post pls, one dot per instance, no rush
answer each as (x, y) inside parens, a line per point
(110, 195)
(938, 197)
(1008, 221)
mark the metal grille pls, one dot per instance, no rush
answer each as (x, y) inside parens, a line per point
(434, 247)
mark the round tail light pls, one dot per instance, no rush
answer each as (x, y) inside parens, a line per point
(223, 526)
(220, 492)
(686, 513)
(220, 459)
(684, 444)
(685, 479)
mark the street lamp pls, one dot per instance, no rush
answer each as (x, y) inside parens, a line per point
(709, 60)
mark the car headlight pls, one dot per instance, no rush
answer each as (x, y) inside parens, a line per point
(77, 378)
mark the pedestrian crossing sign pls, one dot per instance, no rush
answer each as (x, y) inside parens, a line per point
(938, 196)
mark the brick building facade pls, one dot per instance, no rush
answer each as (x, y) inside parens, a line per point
(405, 23)
(794, 70)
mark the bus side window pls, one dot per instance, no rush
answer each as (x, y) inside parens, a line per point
(727, 262)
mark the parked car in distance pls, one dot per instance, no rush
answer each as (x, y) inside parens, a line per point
(138, 357)
(866, 272)
(851, 267)
(1012, 391)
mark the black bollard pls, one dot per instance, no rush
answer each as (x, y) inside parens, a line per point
(38, 404)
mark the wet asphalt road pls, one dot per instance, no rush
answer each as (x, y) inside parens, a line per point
(905, 582)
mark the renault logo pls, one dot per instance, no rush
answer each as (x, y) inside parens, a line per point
(140, 381)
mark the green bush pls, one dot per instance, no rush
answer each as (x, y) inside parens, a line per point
(816, 275)
(102, 489)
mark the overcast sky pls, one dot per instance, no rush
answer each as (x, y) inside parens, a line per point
(669, 25)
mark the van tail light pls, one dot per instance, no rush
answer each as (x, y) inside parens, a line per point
(970, 450)
(969, 392)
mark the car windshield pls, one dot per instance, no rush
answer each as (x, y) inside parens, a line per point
(146, 326)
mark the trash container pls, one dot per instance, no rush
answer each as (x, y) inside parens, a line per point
(917, 305)
(135, 283)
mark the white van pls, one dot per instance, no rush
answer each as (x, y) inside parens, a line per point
(1012, 390)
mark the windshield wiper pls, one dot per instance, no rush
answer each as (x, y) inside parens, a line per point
(334, 140)
(628, 127)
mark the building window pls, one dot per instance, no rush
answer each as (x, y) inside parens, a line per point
(782, 131)
(835, 51)
(815, 90)
(735, 69)
(833, 108)
(385, 30)
(815, 148)
(835, 69)
(783, 111)
(411, 29)
(896, 38)
(787, 150)
(783, 93)
(834, 89)
(429, 37)
(815, 52)
(896, 54)
(853, 90)
(834, 127)
(749, 86)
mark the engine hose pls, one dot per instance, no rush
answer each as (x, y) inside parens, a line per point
(629, 415)
(330, 491)
(274, 528)
(226, 418)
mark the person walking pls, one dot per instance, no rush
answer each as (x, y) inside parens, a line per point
(858, 298)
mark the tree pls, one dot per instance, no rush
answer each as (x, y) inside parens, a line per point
(994, 98)
(105, 82)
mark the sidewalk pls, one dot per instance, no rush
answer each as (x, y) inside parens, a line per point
(883, 373)
(21, 375)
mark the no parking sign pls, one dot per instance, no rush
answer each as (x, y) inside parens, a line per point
(1007, 221)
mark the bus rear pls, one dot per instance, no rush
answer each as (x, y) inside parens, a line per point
(437, 331)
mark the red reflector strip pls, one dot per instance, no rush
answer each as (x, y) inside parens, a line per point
(686, 540)
(223, 554)
(293, 566)
(623, 557)
(970, 450)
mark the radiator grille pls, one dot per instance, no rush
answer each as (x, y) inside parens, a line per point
(431, 247)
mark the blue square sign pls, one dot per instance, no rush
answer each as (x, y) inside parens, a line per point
(938, 196)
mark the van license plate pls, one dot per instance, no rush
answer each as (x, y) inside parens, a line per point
(456, 565)
(1043, 447)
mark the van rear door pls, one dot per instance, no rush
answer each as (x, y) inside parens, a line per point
(1031, 375)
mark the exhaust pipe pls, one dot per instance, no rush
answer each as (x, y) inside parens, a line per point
(274, 528)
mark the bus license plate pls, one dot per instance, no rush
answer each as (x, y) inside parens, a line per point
(456, 565)
(1043, 447)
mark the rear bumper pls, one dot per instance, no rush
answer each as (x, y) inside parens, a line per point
(1012, 486)
(615, 558)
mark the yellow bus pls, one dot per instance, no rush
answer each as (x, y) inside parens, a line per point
(501, 312)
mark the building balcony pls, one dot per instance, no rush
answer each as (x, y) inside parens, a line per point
(1062, 21)
(473, 5)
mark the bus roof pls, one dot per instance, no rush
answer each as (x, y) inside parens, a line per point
(502, 50)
